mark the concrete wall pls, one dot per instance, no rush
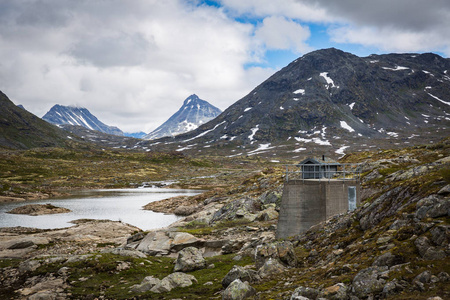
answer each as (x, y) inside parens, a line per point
(308, 202)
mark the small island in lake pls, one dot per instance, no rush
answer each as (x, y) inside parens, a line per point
(39, 209)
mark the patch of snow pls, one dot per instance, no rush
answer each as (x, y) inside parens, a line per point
(361, 120)
(393, 134)
(346, 126)
(205, 132)
(321, 142)
(445, 102)
(309, 78)
(223, 137)
(351, 105)
(397, 68)
(374, 61)
(341, 150)
(299, 91)
(299, 150)
(328, 79)
(281, 107)
(254, 130)
(426, 116)
(247, 109)
(299, 139)
(261, 148)
(295, 99)
(275, 161)
(428, 87)
(426, 72)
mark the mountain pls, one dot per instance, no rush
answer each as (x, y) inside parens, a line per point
(193, 113)
(328, 101)
(20, 129)
(80, 116)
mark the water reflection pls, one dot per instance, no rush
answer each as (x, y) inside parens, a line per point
(118, 205)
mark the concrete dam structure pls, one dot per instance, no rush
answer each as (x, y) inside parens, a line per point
(314, 191)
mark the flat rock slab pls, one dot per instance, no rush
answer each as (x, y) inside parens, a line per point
(38, 209)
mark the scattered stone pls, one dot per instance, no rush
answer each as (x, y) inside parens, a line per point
(284, 251)
(303, 292)
(387, 259)
(238, 290)
(424, 277)
(189, 259)
(335, 292)
(271, 267)
(29, 266)
(146, 285)
(238, 272)
(369, 281)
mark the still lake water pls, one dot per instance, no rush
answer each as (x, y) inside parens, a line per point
(114, 204)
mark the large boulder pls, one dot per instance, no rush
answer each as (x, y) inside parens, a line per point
(369, 281)
(168, 283)
(238, 272)
(271, 267)
(155, 243)
(335, 292)
(387, 259)
(283, 251)
(189, 259)
(304, 292)
(238, 290)
(240, 209)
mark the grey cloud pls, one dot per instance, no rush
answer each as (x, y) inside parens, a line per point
(118, 49)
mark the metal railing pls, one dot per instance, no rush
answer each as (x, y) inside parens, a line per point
(323, 172)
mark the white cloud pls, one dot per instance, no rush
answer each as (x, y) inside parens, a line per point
(280, 33)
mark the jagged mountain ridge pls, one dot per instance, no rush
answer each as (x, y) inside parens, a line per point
(193, 113)
(60, 115)
(335, 100)
(20, 129)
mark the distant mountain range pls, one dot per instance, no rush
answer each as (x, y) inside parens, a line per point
(193, 113)
(60, 115)
(328, 101)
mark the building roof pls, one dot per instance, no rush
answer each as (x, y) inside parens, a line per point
(317, 161)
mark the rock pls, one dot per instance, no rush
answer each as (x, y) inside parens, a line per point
(238, 290)
(38, 209)
(422, 244)
(440, 235)
(443, 276)
(135, 237)
(47, 295)
(64, 271)
(189, 259)
(146, 285)
(179, 279)
(391, 288)
(387, 259)
(29, 266)
(244, 208)
(21, 245)
(434, 298)
(433, 253)
(238, 272)
(445, 190)
(185, 210)
(424, 277)
(232, 246)
(181, 240)
(284, 251)
(369, 281)
(335, 292)
(155, 243)
(271, 267)
(267, 214)
(125, 252)
(303, 292)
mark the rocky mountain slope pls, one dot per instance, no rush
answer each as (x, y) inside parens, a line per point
(61, 115)
(331, 101)
(193, 113)
(20, 129)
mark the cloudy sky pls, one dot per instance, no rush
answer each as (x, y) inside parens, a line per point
(132, 63)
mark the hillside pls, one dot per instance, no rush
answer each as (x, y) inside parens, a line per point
(331, 101)
(20, 129)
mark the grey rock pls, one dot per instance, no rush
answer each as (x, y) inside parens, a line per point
(443, 276)
(185, 210)
(29, 266)
(238, 290)
(146, 285)
(125, 252)
(424, 277)
(271, 267)
(433, 253)
(422, 244)
(21, 245)
(369, 281)
(284, 251)
(391, 288)
(335, 292)
(305, 292)
(189, 259)
(181, 240)
(440, 235)
(135, 237)
(155, 243)
(387, 259)
(179, 279)
(238, 272)
(445, 190)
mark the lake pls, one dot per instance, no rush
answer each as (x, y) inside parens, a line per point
(114, 204)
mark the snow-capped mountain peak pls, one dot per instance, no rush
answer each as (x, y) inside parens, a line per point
(193, 113)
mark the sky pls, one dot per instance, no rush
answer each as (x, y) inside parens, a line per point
(132, 63)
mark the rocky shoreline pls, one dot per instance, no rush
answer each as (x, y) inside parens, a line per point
(38, 210)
